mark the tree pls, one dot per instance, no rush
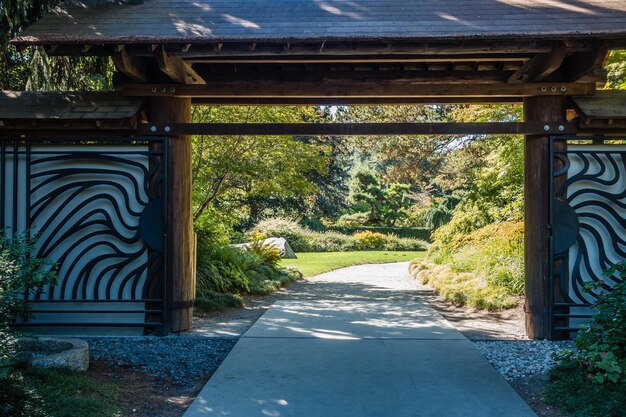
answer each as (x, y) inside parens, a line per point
(32, 69)
(244, 176)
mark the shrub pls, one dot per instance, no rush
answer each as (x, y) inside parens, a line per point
(269, 253)
(215, 301)
(352, 220)
(370, 240)
(20, 273)
(483, 269)
(420, 233)
(602, 343)
(296, 235)
(463, 288)
(303, 240)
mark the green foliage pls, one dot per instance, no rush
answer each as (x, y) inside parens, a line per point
(249, 177)
(601, 345)
(483, 269)
(18, 398)
(215, 301)
(616, 70)
(304, 240)
(222, 270)
(386, 204)
(574, 393)
(269, 253)
(353, 220)
(420, 233)
(20, 273)
(370, 240)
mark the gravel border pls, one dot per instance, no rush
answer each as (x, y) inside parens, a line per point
(515, 359)
(180, 359)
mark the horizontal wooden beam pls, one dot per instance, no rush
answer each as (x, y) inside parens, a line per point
(354, 101)
(354, 59)
(357, 129)
(348, 89)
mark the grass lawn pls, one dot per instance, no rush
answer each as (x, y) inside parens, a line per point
(311, 264)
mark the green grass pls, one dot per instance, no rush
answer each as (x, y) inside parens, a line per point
(571, 391)
(57, 393)
(311, 264)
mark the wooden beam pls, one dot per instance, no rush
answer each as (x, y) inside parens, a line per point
(329, 101)
(541, 65)
(537, 198)
(176, 69)
(352, 59)
(347, 89)
(180, 237)
(358, 129)
(132, 67)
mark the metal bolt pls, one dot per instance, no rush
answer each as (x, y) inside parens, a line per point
(163, 90)
(553, 89)
(563, 88)
(153, 129)
(544, 89)
(561, 128)
(154, 89)
(546, 127)
(167, 129)
(173, 90)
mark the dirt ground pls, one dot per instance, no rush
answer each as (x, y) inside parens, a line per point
(147, 396)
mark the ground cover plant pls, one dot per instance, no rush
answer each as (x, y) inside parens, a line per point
(311, 264)
(224, 273)
(590, 381)
(483, 269)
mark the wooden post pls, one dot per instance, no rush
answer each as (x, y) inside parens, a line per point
(180, 238)
(537, 213)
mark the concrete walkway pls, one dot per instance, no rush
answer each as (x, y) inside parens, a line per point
(356, 342)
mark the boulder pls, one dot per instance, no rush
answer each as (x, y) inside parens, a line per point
(279, 243)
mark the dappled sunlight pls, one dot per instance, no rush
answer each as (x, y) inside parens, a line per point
(570, 6)
(339, 8)
(241, 22)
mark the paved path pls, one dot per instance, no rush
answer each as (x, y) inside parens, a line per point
(356, 342)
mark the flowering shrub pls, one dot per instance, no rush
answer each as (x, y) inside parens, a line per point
(370, 240)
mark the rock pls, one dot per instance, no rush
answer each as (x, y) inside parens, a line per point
(52, 352)
(279, 243)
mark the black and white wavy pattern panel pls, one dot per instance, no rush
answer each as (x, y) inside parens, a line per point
(86, 207)
(596, 191)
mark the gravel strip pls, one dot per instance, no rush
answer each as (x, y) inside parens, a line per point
(181, 359)
(516, 359)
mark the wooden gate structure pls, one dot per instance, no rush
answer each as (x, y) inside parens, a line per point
(172, 54)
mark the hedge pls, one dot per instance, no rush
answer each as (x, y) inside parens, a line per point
(420, 233)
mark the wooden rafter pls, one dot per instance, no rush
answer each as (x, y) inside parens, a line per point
(132, 67)
(541, 65)
(175, 68)
(587, 65)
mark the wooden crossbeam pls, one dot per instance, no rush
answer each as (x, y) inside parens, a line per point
(330, 101)
(175, 68)
(353, 89)
(358, 129)
(130, 66)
